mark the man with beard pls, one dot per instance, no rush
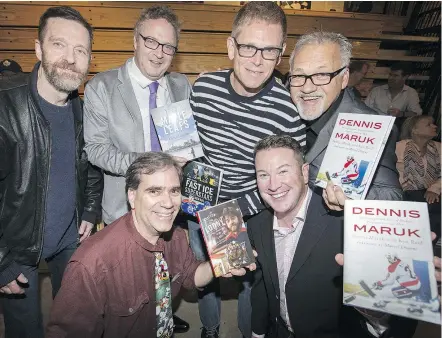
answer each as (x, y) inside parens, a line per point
(118, 127)
(50, 196)
(318, 81)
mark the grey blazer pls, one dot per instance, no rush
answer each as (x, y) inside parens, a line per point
(113, 130)
(385, 184)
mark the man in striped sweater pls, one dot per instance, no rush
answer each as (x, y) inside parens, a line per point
(233, 110)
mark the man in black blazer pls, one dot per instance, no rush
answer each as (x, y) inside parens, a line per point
(298, 283)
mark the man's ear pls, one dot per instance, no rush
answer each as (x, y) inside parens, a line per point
(131, 194)
(345, 78)
(230, 48)
(37, 47)
(282, 53)
(305, 168)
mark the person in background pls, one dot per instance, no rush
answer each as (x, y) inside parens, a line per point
(10, 71)
(395, 98)
(121, 282)
(118, 126)
(418, 163)
(358, 70)
(50, 195)
(234, 109)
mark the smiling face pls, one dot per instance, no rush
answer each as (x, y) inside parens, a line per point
(64, 54)
(154, 63)
(282, 180)
(250, 74)
(232, 222)
(312, 101)
(156, 201)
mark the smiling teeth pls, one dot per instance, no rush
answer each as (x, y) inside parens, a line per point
(279, 195)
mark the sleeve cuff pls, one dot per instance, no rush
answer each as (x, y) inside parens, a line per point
(254, 335)
(89, 216)
(10, 273)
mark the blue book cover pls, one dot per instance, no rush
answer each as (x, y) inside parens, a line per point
(177, 131)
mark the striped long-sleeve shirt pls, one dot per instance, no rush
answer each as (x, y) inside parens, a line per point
(229, 126)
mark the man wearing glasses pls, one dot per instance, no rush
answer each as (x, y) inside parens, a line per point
(319, 77)
(117, 124)
(234, 109)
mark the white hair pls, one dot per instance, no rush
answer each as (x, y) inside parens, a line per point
(321, 38)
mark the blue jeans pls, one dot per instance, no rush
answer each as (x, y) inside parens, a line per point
(209, 300)
(22, 313)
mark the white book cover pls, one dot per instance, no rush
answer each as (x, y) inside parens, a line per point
(352, 156)
(388, 256)
(176, 130)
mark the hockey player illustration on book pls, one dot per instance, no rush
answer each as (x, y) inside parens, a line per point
(352, 175)
(403, 283)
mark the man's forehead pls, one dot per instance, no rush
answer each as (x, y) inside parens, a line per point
(317, 56)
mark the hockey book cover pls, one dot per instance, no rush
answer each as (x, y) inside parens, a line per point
(389, 259)
(226, 237)
(176, 130)
(353, 153)
(200, 187)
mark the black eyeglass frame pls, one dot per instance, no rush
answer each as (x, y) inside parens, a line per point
(158, 44)
(239, 45)
(306, 77)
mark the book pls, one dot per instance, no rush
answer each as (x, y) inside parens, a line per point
(352, 156)
(176, 130)
(389, 259)
(200, 188)
(225, 235)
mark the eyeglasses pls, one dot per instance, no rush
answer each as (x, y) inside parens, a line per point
(151, 43)
(318, 79)
(248, 51)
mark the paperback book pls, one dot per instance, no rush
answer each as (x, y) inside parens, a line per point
(200, 188)
(389, 259)
(353, 153)
(176, 130)
(226, 238)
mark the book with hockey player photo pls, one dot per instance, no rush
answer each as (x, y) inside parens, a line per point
(389, 259)
(225, 235)
(200, 187)
(353, 153)
(176, 130)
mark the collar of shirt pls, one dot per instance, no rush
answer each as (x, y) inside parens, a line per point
(300, 216)
(138, 76)
(404, 88)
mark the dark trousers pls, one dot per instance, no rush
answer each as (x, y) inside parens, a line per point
(433, 209)
(22, 313)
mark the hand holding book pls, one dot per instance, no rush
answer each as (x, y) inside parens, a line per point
(334, 197)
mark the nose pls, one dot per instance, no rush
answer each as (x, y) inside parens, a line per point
(70, 55)
(308, 87)
(274, 183)
(257, 59)
(159, 52)
(166, 202)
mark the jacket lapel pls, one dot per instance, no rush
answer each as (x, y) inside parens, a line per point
(130, 100)
(314, 226)
(268, 243)
(172, 87)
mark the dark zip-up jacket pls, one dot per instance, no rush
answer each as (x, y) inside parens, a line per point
(25, 150)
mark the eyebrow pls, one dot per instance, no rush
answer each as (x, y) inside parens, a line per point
(55, 38)
(302, 70)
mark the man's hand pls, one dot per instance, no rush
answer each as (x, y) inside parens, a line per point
(242, 271)
(394, 111)
(13, 287)
(85, 230)
(181, 160)
(431, 197)
(334, 197)
(339, 258)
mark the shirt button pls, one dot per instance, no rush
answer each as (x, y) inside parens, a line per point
(131, 310)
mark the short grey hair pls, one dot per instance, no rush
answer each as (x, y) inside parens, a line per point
(321, 38)
(280, 141)
(159, 12)
(148, 164)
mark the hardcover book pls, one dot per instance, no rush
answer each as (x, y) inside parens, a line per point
(226, 238)
(176, 130)
(389, 259)
(353, 153)
(200, 187)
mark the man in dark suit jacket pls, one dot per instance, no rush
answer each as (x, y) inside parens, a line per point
(310, 280)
